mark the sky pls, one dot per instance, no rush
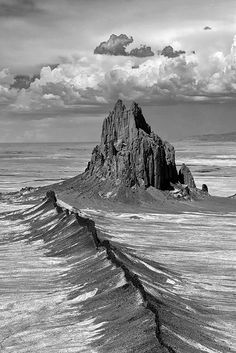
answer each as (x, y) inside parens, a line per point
(74, 89)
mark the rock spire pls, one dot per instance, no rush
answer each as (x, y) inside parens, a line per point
(185, 176)
(130, 153)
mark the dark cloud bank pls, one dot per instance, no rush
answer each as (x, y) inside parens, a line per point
(169, 52)
(116, 45)
(24, 81)
(18, 8)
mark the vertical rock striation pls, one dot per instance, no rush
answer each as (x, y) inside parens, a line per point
(131, 153)
(185, 176)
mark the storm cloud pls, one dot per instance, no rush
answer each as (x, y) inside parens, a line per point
(141, 52)
(67, 31)
(99, 81)
(169, 52)
(116, 45)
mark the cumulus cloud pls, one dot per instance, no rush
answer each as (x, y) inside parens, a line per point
(6, 78)
(7, 95)
(141, 52)
(169, 52)
(24, 81)
(21, 81)
(116, 45)
(95, 81)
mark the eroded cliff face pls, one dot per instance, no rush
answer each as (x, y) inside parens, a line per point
(131, 153)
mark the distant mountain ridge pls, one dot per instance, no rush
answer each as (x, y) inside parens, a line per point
(227, 136)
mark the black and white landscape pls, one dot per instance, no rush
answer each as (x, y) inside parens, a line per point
(118, 176)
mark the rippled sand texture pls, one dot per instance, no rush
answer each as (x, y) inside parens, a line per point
(60, 294)
(35, 315)
(189, 263)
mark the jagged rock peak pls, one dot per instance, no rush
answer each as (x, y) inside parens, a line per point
(131, 153)
(123, 123)
(119, 105)
(140, 121)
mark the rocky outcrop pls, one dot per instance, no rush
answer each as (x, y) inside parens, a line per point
(185, 176)
(117, 259)
(204, 188)
(130, 153)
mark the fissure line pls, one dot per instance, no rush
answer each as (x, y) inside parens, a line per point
(111, 252)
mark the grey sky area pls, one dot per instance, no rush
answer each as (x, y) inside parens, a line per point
(55, 85)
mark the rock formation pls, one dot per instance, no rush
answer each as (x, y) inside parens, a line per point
(204, 188)
(185, 176)
(130, 153)
(232, 196)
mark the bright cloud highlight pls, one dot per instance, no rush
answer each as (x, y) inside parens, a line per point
(99, 80)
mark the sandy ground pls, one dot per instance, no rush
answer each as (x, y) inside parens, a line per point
(84, 192)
